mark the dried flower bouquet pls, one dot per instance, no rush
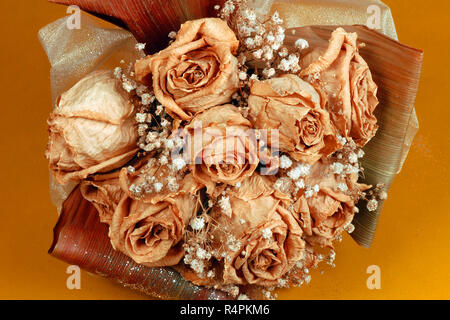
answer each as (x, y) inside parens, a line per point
(232, 156)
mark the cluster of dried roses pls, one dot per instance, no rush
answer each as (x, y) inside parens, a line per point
(220, 221)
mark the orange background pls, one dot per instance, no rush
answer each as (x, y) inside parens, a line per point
(412, 241)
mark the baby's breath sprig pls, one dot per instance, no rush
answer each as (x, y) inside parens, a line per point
(262, 41)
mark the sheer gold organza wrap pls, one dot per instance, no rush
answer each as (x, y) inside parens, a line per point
(75, 53)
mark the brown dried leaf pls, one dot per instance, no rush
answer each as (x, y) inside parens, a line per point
(150, 21)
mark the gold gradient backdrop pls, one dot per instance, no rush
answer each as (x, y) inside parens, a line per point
(411, 244)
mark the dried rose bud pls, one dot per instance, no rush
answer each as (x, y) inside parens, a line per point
(92, 129)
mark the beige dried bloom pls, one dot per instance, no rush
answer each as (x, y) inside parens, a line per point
(197, 71)
(92, 128)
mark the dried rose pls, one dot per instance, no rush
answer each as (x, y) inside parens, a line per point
(148, 226)
(261, 238)
(325, 212)
(325, 215)
(222, 148)
(345, 82)
(197, 71)
(92, 129)
(292, 106)
(152, 234)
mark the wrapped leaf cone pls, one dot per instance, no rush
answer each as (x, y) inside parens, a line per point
(79, 236)
(150, 21)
